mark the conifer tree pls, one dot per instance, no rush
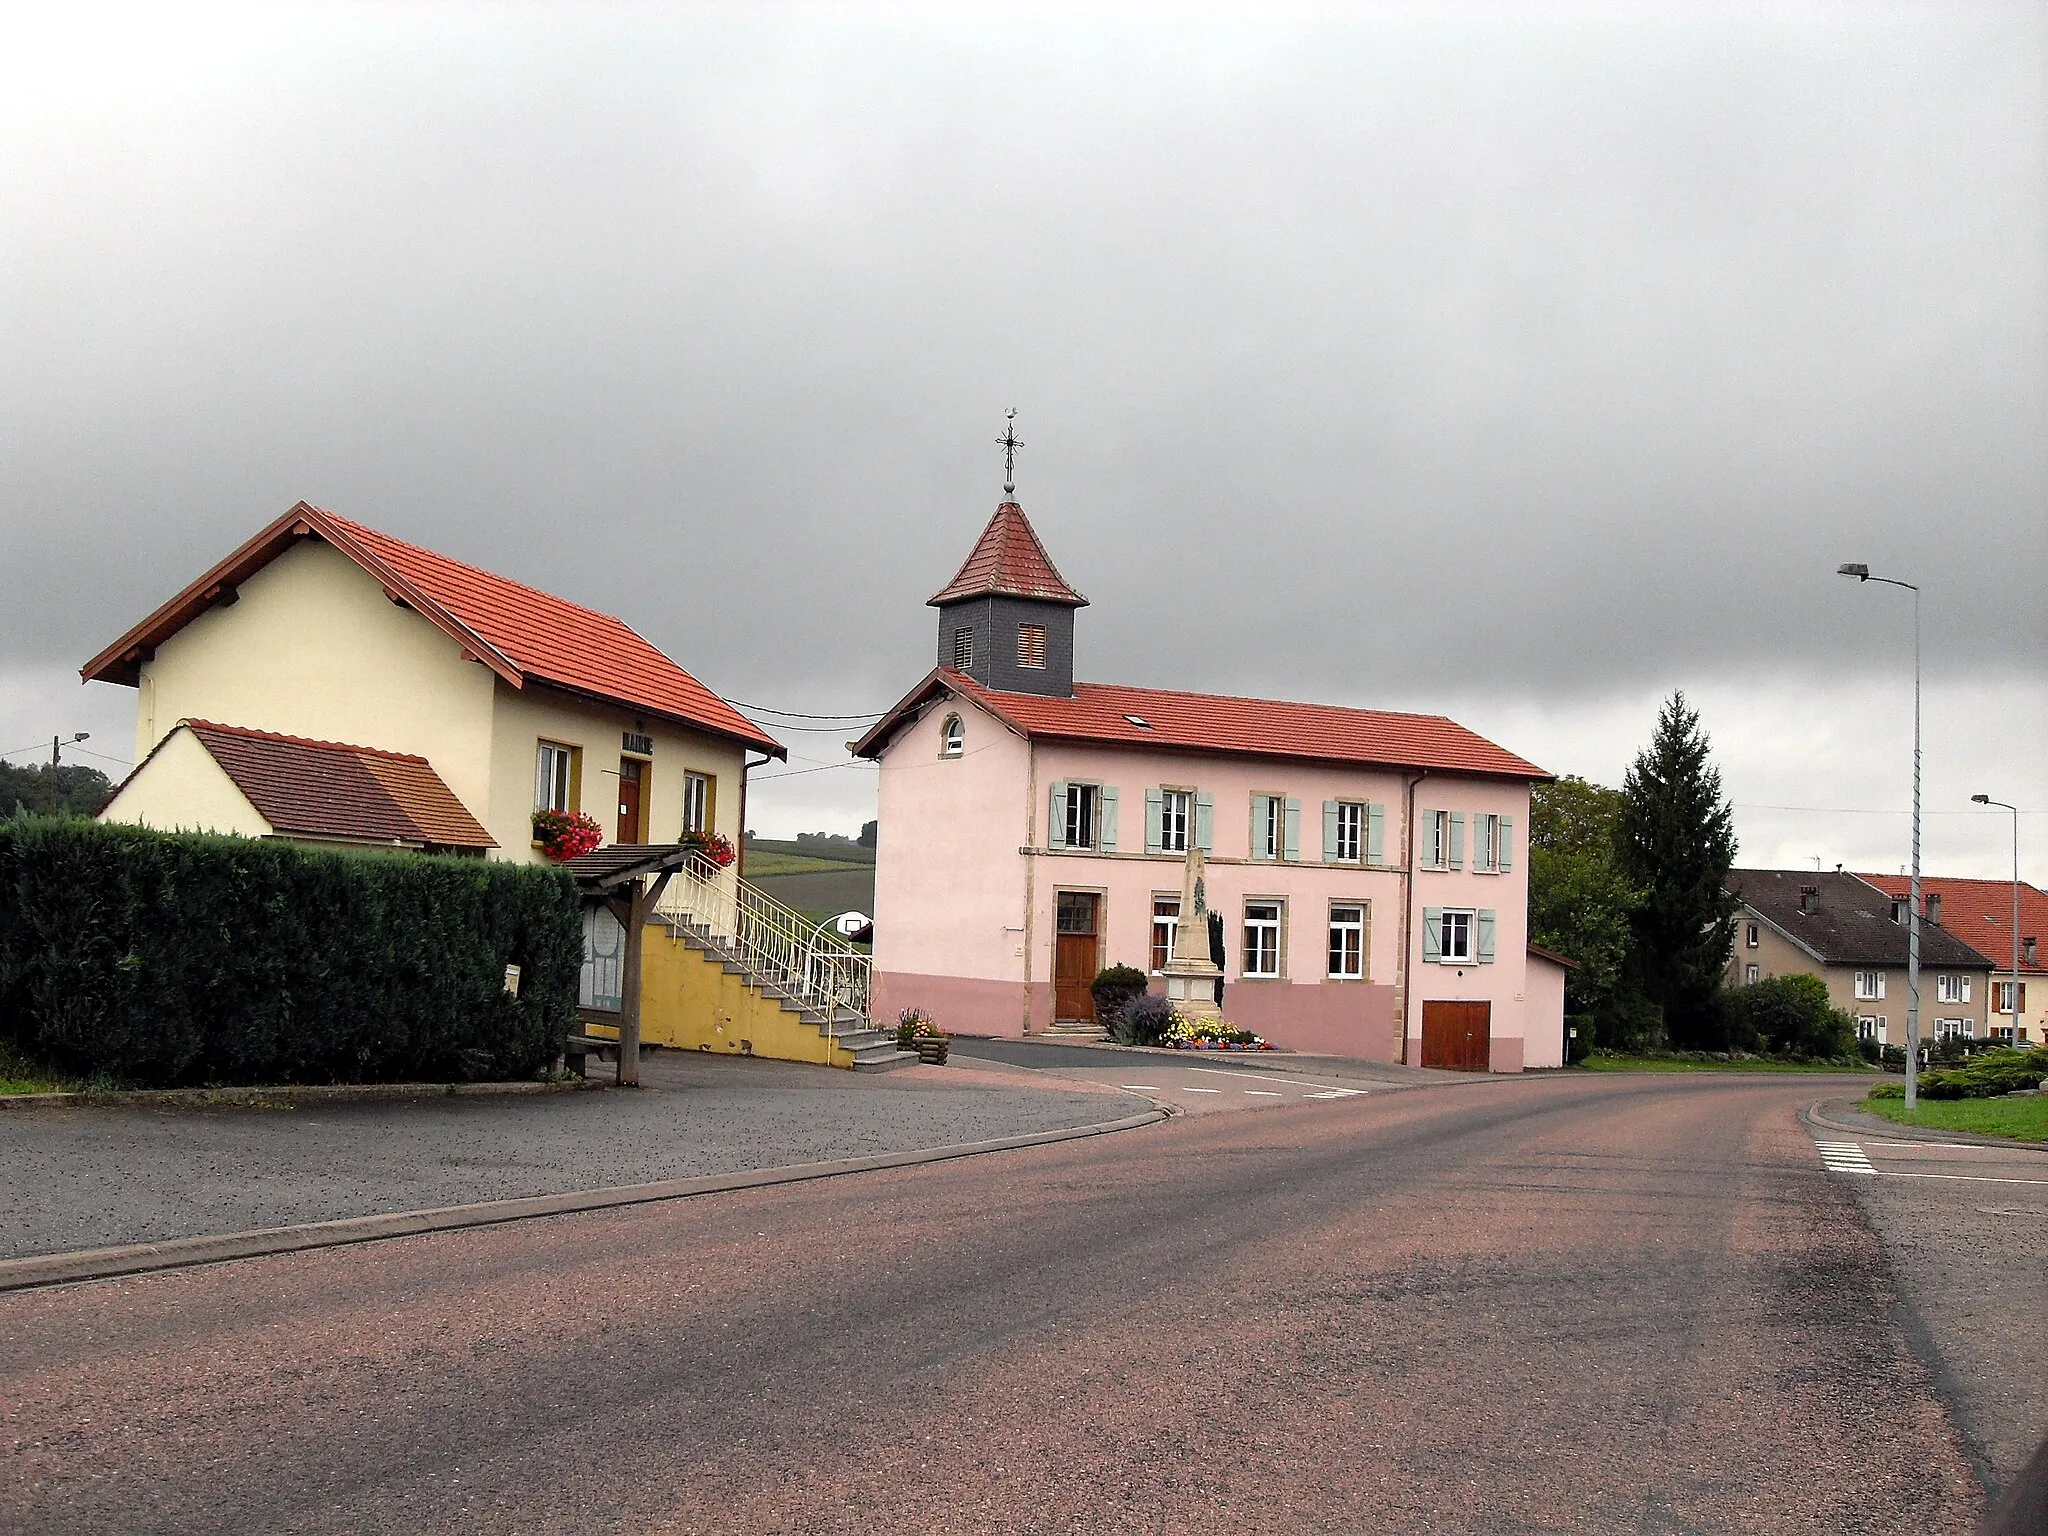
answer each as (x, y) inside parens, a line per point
(1676, 836)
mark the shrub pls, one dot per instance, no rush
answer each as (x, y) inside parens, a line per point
(1113, 987)
(166, 959)
(1991, 1073)
(1789, 1016)
(1144, 1020)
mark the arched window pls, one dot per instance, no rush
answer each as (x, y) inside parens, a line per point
(952, 737)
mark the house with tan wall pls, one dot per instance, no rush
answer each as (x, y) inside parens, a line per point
(1853, 937)
(1981, 913)
(322, 631)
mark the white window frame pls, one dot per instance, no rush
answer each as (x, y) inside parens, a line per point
(1348, 921)
(1752, 974)
(554, 777)
(1752, 935)
(952, 737)
(1262, 937)
(1272, 836)
(1464, 923)
(1165, 927)
(1176, 819)
(1949, 988)
(1485, 843)
(1082, 815)
(2003, 996)
(1351, 819)
(1869, 986)
(1440, 835)
(696, 801)
(1870, 1027)
(1944, 1028)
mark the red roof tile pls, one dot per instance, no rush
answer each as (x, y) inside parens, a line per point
(1008, 560)
(519, 632)
(1979, 912)
(309, 788)
(1207, 722)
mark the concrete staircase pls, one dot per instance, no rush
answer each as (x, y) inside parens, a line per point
(872, 1050)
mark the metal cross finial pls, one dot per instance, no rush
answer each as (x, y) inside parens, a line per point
(1009, 442)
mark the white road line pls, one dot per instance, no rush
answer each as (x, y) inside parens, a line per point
(1843, 1157)
(1337, 1093)
(1961, 1178)
(1201, 1090)
(1261, 1077)
(1262, 1093)
(1142, 1087)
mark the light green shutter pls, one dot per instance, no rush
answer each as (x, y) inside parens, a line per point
(1457, 853)
(1260, 813)
(1293, 828)
(1155, 817)
(1329, 831)
(1507, 844)
(1485, 926)
(1205, 823)
(1432, 935)
(1375, 834)
(1105, 818)
(1056, 825)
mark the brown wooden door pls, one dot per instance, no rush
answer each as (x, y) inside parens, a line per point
(1458, 1036)
(630, 799)
(1075, 955)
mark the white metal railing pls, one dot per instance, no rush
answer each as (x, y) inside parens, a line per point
(776, 944)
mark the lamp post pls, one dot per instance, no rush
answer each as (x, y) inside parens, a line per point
(57, 745)
(1862, 573)
(1987, 800)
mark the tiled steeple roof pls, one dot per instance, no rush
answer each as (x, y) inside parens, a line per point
(1008, 561)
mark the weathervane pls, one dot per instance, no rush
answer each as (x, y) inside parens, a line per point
(1009, 442)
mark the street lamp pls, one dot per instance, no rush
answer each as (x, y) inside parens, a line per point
(1987, 800)
(57, 746)
(1862, 573)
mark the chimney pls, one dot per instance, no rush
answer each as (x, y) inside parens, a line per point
(1934, 909)
(1809, 898)
(2027, 953)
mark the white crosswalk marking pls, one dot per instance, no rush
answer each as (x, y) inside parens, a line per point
(1844, 1157)
(1336, 1093)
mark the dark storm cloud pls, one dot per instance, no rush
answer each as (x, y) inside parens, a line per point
(1356, 358)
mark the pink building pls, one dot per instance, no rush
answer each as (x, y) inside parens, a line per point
(1370, 868)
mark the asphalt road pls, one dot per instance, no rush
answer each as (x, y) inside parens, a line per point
(91, 1177)
(1636, 1305)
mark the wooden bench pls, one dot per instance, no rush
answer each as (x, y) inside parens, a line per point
(578, 1049)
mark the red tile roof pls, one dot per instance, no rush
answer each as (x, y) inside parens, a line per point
(1979, 912)
(329, 789)
(521, 633)
(1206, 722)
(1008, 561)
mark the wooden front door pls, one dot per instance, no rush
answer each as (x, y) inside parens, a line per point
(1458, 1036)
(1075, 955)
(631, 799)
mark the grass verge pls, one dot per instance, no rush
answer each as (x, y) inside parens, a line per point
(2022, 1119)
(1701, 1062)
(18, 1074)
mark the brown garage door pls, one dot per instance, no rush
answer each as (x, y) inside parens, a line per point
(1458, 1036)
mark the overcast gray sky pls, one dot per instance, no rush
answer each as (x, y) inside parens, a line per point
(1509, 367)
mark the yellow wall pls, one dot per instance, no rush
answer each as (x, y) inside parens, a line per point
(182, 789)
(689, 1001)
(524, 718)
(314, 648)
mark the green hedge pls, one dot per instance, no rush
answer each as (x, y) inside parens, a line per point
(1990, 1074)
(164, 959)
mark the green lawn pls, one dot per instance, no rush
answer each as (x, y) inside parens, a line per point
(1606, 1063)
(2024, 1119)
(766, 864)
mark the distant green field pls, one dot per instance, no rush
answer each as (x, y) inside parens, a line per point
(834, 853)
(762, 865)
(849, 888)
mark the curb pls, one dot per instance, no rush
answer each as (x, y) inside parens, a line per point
(1873, 1125)
(1351, 1067)
(280, 1095)
(179, 1253)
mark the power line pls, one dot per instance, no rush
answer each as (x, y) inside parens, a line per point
(763, 709)
(764, 778)
(1849, 810)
